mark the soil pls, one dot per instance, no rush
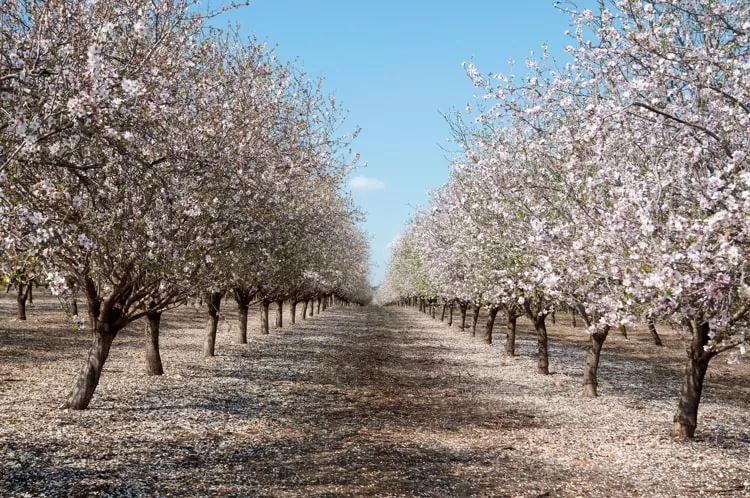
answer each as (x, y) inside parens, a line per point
(360, 401)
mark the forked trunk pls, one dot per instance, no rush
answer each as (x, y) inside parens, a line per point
(213, 304)
(510, 335)
(652, 330)
(293, 311)
(442, 314)
(21, 297)
(88, 377)
(279, 314)
(591, 366)
(542, 345)
(304, 310)
(686, 418)
(264, 305)
(242, 312)
(474, 322)
(488, 326)
(153, 358)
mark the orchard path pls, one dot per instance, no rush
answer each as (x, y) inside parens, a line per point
(353, 402)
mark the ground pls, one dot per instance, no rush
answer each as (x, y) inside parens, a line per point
(359, 401)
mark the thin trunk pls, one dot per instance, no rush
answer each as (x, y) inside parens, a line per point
(304, 310)
(242, 312)
(325, 303)
(510, 335)
(463, 308)
(442, 314)
(552, 317)
(88, 377)
(573, 317)
(21, 298)
(623, 330)
(652, 330)
(450, 315)
(153, 358)
(279, 314)
(213, 304)
(542, 345)
(686, 418)
(317, 312)
(474, 322)
(490, 324)
(593, 353)
(74, 307)
(293, 311)
(264, 305)
(31, 292)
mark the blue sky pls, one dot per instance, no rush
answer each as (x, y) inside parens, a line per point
(395, 65)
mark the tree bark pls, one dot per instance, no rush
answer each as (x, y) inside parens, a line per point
(542, 345)
(474, 322)
(442, 314)
(279, 314)
(686, 418)
(242, 312)
(264, 305)
(293, 311)
(573, 317)
(153, 358)
(552, 317)
(490, 324)
(317, 312)
(304, 309)
(88, 377)
(463, 307)
(450, 315)
(593, 353)
(213, 303)
(21, 297)
(74, 307)
(510, 334)
(652, 330)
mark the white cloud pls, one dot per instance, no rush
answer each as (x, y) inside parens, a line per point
(364, 183)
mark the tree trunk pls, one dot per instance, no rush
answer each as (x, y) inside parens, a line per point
(88, 377)
(304, 309)
(324, 306)
(510, 335)
(442, 314)
(542, 345)
(21, 298)
(279, 314)
(686, 418)
(463, 307)
(213, 304)
(573, 317)
(317, 312)
(450, 315)
(623, 330)
(74, 307)
(474, 322)
(242, 312)
(30, 292)
(264, 305)
(591, 366)
(552, 317)
(293, 311)
(652, 330)
(153, 358)
(490, 324)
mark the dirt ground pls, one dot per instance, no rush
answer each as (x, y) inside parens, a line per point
(360, 402)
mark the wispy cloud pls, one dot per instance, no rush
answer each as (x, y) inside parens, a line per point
(364, 183)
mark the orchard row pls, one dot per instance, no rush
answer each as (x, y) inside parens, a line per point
(614, 182)
(146, 157)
